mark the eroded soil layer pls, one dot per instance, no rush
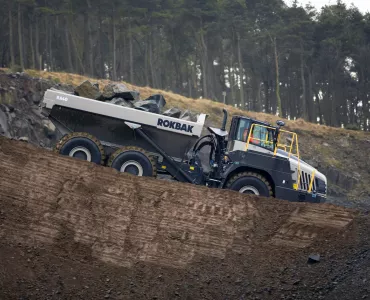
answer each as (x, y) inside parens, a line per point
(74, 230)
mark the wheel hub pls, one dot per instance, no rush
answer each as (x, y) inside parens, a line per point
(80, 153)
(132, 167)
(249, 190)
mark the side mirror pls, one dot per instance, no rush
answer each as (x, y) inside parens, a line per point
(223, 128)
(280, 123)
(277, 132)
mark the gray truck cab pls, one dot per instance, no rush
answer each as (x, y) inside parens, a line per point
(258, 149)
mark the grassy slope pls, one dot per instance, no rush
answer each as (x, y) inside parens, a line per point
(331, 149)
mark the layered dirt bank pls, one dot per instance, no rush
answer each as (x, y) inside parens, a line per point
(71, 230)
(342, 155)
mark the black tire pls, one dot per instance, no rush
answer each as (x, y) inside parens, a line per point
(137, 161)
(250, 183)
(82, 146)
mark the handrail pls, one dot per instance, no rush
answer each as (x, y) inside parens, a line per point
(312, 179)
(294, 140)
(298, 167)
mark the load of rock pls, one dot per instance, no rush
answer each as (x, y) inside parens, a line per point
(120, 94)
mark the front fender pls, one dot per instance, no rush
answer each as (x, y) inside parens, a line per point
(275, 169)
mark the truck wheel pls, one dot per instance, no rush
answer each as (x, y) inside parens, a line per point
(133, 160)
(250, 183)
(82, 146)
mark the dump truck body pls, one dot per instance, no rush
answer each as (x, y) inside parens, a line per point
(106, 122)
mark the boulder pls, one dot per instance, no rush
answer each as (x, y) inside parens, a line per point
(131, 95)
(23, 139)
(112, 89)
(49, 128)
(121, 102)
(173, 112)
(36, 97)
(188, 116)
(88, 90)
(22, 104)
(4, 126)
(119, 90)
(159, 99)
(148, 106)
(153, 104)
(313, 258)
(4, 108)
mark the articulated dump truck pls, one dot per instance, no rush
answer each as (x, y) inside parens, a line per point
(253, 157)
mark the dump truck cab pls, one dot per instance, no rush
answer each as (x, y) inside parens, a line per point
(264, 160)
(260, 135)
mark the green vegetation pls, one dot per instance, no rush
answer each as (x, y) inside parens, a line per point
(295, 61)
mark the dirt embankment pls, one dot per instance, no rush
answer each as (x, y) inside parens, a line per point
(74, 230)
(342, 155)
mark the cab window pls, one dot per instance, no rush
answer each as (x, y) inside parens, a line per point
(243, 130)
(262, 137)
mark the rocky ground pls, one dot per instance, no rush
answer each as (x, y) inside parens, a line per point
(29, 273)
(359, 204)
(69, 230)
(73, 230)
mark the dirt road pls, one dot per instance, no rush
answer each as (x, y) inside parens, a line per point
(74, 230)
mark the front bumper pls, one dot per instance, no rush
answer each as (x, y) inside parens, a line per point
(298, 196)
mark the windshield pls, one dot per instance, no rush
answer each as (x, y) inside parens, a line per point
(261, 136)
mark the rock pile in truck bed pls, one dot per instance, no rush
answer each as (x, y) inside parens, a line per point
(119, 94)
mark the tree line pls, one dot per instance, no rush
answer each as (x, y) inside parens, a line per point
(259, 55)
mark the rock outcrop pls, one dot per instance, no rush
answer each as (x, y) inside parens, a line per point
(20, 117)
